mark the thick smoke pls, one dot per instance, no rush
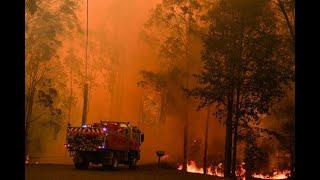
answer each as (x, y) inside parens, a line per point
(117, 24)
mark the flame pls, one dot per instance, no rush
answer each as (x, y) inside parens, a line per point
(164, 157)
(240, 172)
(216, 170)
(275, 175)
(193, 168)
(27, 159)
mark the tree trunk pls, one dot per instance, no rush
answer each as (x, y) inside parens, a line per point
(285, 14)
(70, 99)
(29, 105)
(185, 140)
(186, 124)
(111, 102)
(292, 150)
(163, 108)
(28, 117)
(206, 143)
(26, 141)
(228, 139)
(235, 137)
(141, 111)
(85, 104)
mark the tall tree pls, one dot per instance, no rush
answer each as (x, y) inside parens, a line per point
(287, 9)
(285, 111)
(164, 86)
(170, 26)
(72, 63)
(244, 70)
(157, 82)
(110, 63)
(45, 22)
(206, 142)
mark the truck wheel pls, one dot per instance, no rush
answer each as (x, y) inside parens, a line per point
(80, 162)
(114, 162)
(133, 162)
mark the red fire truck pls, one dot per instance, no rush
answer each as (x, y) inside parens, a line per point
(106, 143)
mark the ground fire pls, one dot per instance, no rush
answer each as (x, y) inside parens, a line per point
(217, 170)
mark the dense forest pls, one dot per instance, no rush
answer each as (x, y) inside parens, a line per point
(216, 72)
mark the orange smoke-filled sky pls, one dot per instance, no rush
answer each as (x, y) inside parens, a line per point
(122, 21)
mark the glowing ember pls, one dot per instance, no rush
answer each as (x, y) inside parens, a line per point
(192, 167)
(240, 172)
(275, 175)
(214, 171)
(27, 159)
(165, 156)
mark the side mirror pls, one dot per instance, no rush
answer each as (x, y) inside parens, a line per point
(142, 137)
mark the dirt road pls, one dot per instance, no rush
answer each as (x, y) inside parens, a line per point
(68, 172)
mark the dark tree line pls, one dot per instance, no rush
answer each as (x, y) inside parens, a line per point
(247, 63)
(45, 21)
(245, 70)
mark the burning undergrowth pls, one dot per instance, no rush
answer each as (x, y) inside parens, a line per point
(217, 170)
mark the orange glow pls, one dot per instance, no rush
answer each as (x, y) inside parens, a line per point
(192, 167)
(165, 156)
(119, 50)
(213, 171)
(275, 175)
(218, 171)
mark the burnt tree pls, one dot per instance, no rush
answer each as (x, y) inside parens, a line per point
(244, 67)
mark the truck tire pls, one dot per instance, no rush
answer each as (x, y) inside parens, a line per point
(115, 162)
(112, 163)
(133, 159)
(80, 162)
(133, 162)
